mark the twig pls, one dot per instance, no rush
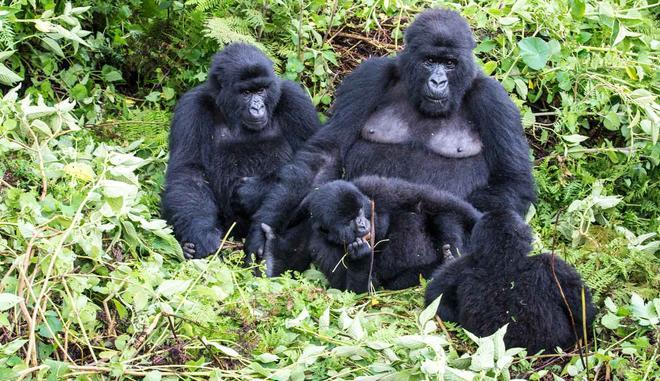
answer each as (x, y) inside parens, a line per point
(561, 291)
(332, 16)
(378, 44)
(372, 243)
(444, 329)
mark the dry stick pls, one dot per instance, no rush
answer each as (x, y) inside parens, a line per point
(332, 16)
(372, 243)
(378, 44)
(561, 292)
(444, 329)
(31, 352)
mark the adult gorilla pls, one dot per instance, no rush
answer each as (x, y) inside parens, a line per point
(229, 137)
(428, 116)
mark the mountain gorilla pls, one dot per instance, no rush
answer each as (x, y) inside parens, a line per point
(428, 116)
(228, 138)
(497, 283)
(340, 214)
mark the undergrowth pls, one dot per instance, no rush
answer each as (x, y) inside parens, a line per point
(92, 282)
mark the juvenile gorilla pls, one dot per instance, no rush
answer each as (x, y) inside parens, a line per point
(228, 138)
(340, 214)
(428, 116)
(497, 283)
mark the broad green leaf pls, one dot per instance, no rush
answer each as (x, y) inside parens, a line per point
(534, 52)
(154, 375)
(8, 301)
(575, 138)
(429, 312)
(8, 77)
(172, 286)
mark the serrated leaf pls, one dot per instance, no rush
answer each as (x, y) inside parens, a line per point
(8, 77)
(52, 45)
(80, 170)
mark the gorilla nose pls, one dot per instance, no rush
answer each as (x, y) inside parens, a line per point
(437, 84)
(258, 111)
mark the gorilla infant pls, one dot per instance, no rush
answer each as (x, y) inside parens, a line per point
(496, 283)
(340, 215)
(427, 116)
(229, 136)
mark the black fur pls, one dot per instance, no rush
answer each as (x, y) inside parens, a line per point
(221, 160)
(498, 176)
(496, 283)
(340, 214)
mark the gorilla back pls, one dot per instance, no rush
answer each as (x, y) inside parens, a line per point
(229, 136)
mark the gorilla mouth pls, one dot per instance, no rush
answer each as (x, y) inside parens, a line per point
(255, 124)
(436, 100)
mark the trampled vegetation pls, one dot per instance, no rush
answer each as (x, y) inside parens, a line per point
(92, 283)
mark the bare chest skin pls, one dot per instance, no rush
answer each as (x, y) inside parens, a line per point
(396, 141)
(397, 124)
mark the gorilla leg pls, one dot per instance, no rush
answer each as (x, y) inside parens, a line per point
(288, 252)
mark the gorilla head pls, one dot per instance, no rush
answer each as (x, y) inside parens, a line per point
(502, 231)
(339, 209)
(436, 63)
(244, 82)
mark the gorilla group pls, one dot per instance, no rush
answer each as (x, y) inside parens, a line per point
(423, 159)
(496, 283)
(429, 117)
(228, 139)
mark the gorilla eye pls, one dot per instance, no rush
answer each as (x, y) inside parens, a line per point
(429, 62)
(450, 63)
(245, 92)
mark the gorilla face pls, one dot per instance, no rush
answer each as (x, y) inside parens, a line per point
(436, 91)
(436, 64)
(246, 87)
(255, 107)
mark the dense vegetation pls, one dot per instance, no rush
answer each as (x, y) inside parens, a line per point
(92, 285)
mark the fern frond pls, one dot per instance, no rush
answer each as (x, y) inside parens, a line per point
(6, 35)
(226, 30)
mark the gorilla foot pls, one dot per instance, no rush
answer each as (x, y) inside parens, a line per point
(188, 250)
(359, 249)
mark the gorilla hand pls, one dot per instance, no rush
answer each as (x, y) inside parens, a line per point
(203, 245)
(255, 242)
(359, 249)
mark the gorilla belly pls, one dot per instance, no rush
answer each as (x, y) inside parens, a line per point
(418, 164)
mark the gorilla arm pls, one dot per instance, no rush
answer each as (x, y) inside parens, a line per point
(296, 114)
(320, 159)
(188, 201)
(510, 183)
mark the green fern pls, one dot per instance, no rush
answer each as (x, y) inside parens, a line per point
(226, 30)
(149, 125)
(6, 35)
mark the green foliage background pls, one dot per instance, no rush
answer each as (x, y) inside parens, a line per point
(91, 280)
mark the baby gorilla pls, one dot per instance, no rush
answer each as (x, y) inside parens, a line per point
(497, 283)
(338, 240)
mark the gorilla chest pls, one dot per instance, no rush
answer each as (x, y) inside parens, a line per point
(451, 137)
(233, 156)
(446, 153)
